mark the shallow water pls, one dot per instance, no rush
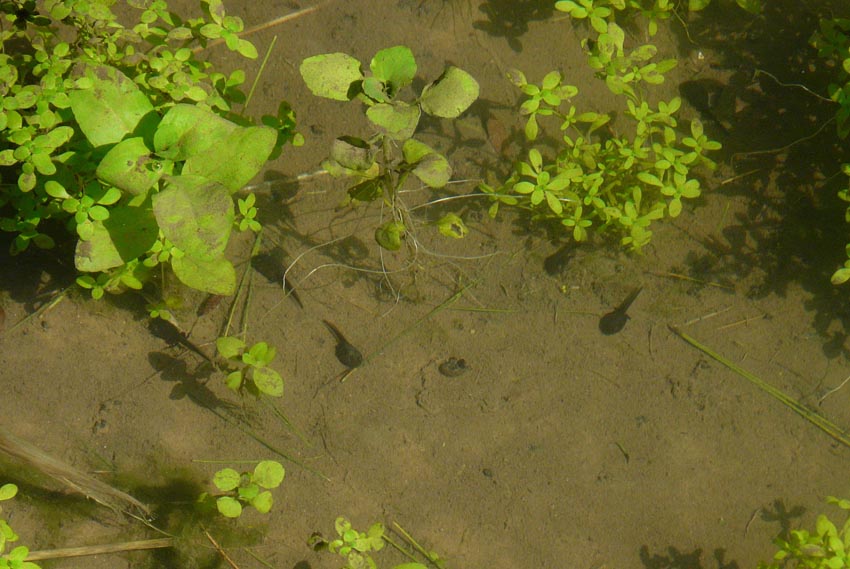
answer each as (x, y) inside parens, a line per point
(560, 446)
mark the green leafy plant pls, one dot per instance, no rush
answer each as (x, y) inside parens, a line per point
(117, 133)
(356, 547)
(827, 547)
(601, 12)
(617, 182)
(16, 557)
(242, 489)
(832, 42)
(254, 373)
(380, 165)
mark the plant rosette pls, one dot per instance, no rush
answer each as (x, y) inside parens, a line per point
(255, 374)
(380, 165)
(243, 489)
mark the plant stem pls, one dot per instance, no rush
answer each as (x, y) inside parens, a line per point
(100, 549)
(813, 417)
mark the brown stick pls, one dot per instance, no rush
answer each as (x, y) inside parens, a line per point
(221, 551)
(69, 476)
(100, 549)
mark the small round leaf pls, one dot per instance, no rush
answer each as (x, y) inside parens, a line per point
(229, 507)
(269, 474)
(451, 94)
(226, 479)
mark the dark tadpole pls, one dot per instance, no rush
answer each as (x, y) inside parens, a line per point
(346, 353)
(615, 320)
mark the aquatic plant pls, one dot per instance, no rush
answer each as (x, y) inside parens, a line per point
(16, 557)
(621, 182)
(254, 373)
(116, 132)
(379, 165)
(250, 488)
(356, 547)
(824, 548)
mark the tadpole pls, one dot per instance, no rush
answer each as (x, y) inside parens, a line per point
(615, 320)
(346, 353)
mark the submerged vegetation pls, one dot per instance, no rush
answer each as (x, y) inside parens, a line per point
(113, 137)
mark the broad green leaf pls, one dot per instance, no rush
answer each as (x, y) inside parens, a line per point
(196, 215)
(414, 151)
(126, 235)
(397, 119)
(375, 89)
(215, 276)
(43, 163)
(187, 130)
(129, 166)
(8, 491)
(697, 5)
(229, 507)
(260, 354)
(451, 94)
(433, 170)
(390, 234)
(229, 346)
(248, 492)
(352, 153)
(394, 66)
(247, 149)
(263, 502)
(451, 225)
(268, 381)
(112, 108)
(227, 479)
(330, 75)
(233, 380)
(269, 474)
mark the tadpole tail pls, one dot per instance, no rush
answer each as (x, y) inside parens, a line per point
(629, 299)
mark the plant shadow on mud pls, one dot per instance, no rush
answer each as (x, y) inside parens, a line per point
(761, 92)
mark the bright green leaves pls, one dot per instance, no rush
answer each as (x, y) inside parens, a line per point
(126, 234)
(540, 184)
(621, 183)
(331, 75)
(392, 68)
(351, 541)
(111, 92)
(254, 366)
(398, 120)
(109, 107)
(450, 95)
(429, 166)
(374, 163)
(248, 488)
(597, 12)
(842, 275)
(16, 557)
(543, 100)
(130, 166)
(356, 547)
(248, 214)
(248, 148)
(196, 215)
(827, 547)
